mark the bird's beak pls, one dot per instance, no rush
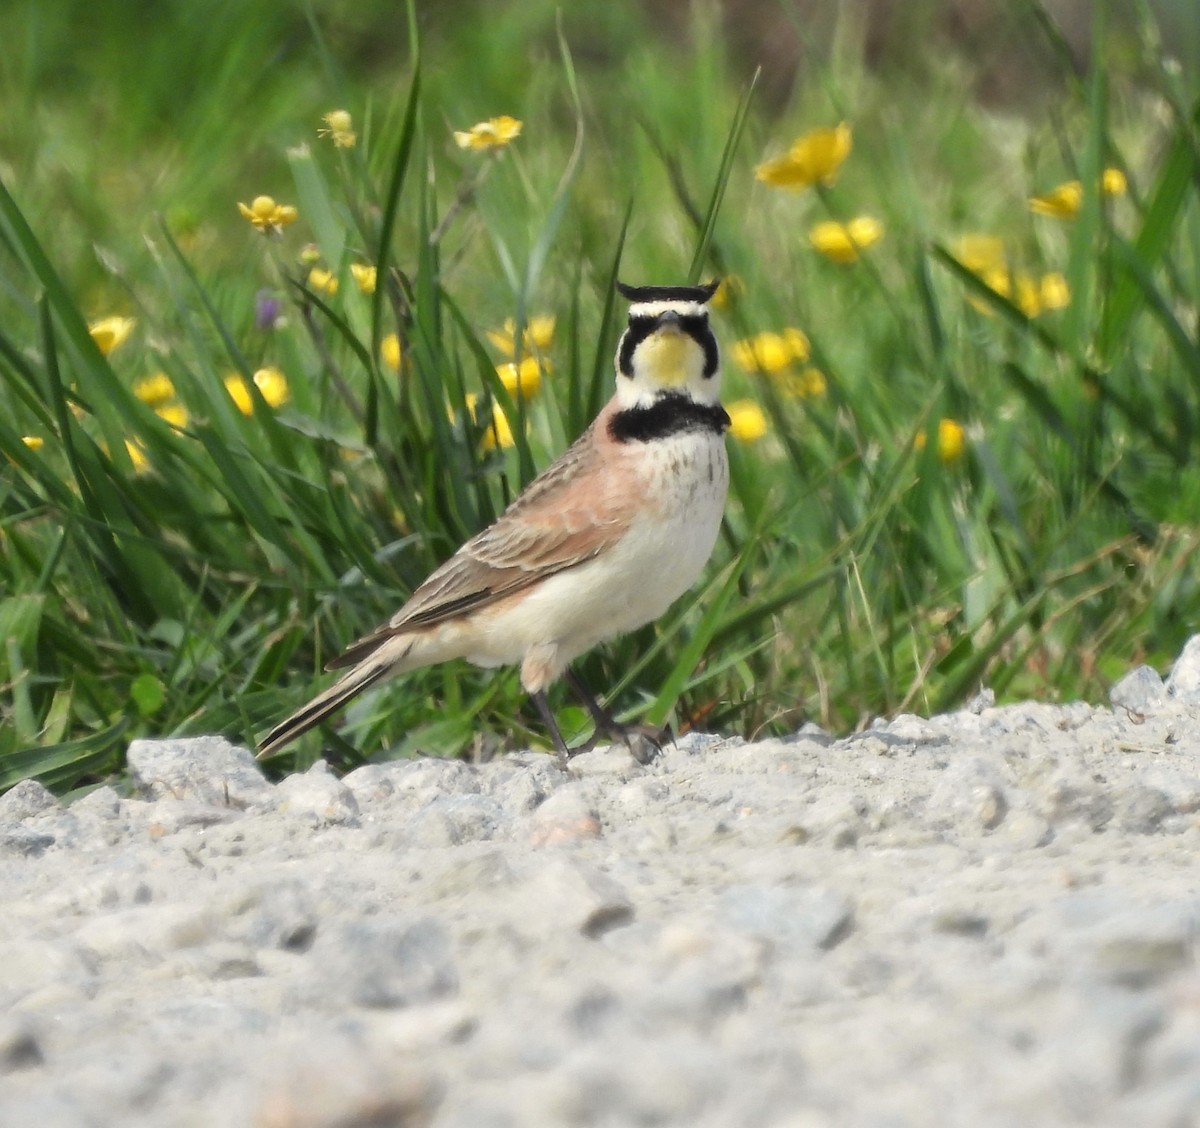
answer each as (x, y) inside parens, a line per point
(670, 320)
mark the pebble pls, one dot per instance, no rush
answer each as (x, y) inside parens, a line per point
(1139, 691)
(317, 797)
(992, 913)
(206, 768)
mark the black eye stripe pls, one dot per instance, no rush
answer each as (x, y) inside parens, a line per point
(642, 326)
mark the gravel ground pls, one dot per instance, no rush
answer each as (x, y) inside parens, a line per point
(984, 918)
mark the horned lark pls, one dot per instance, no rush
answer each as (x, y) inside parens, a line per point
(600, 543)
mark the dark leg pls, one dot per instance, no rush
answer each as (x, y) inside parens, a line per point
(560, 745)
(605, 722)
(643, 741)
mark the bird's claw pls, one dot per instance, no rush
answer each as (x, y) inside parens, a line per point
(644, 742)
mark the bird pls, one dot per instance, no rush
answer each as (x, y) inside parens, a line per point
(600, 543)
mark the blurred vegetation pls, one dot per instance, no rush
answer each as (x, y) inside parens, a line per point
(972, 460)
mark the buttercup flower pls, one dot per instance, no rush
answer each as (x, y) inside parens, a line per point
(365, 276)
(771, 352)
(812, 159)
(389, 351)
(174, 414)
(111, 332)
(841, 242)
(747, 423)
(340, 127)
(494, 133)
(499, 432)
(522, 379)
(155, 390)
(322, 281)
(1064, 201)
(1113, 183)
(270, 382)
(268, 216)
(538, 335)
(807, 384)
(1054, 291)
(273, 385)
(980, 253)
(33, 442)
(951, 440)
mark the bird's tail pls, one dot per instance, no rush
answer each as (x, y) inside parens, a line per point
(347, 687)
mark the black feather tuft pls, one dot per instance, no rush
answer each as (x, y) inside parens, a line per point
(699, 294)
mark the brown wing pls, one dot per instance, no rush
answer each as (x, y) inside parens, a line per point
(567, 514)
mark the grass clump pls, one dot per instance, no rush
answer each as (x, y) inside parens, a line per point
(260, 373)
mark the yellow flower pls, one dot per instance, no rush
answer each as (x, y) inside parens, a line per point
(980, 253)
(747, 422)
(239, 393)
(137, 455)
(174, 414)
(1113, 183)
(33, 442)
(813, 158)
(771, 352)
(273, 385)
(1054, 291)
(365, 276)
(1064, 201)
(340, 127)
(728, 292)
(522, 379)
(111, 332)
(155, 390)
(951, 440)
(268, 216)
(841, 242)
(322, 281)
(270, 382)
(389, 351)
(499, 433)
(807, 384)
(538, 335)
(494, 133)
(797, 340)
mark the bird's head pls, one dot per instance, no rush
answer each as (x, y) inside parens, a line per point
(668, 347)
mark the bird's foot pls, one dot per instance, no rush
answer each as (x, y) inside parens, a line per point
(644, 742)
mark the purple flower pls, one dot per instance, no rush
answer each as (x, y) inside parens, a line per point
(267, 309)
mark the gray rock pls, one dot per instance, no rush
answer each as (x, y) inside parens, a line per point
(806, 919)
(1139, 691)
(318, 798)
(23, 841)
(970, 795)
(205, 768)
(1183, 683)
(386, 961)
(101, 803)
(20, 1047)
(565, 895)
(25, 800)
(28, 965)
(567, 815)
(456, 819)
(984, 699)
